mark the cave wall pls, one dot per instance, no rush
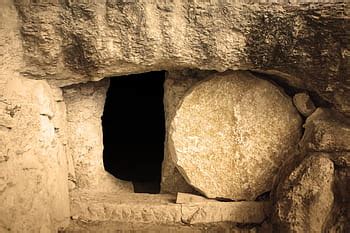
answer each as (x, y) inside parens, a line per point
(34, 188)
(33, 167)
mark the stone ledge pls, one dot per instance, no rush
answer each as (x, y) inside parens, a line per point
(160, 209)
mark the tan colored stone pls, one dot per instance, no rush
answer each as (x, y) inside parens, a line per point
(305, 197)
(109, 208)
(304, 104)
(70, 42)
(66, 42)
(85, 105)
(326, 131)
(231, 133)
(33, 166)
(175, 86)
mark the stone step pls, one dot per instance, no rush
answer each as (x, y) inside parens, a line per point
(91, 211)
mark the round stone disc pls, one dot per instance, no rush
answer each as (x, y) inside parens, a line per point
(231, 133)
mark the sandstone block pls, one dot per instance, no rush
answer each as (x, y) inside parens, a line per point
(231, 133)
(305, 197)
(304, 104)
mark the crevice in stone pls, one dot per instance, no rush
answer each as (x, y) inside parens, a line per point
(4, 158)
(46, 115)
(6, 128)
(264, 196)
(292, 90)
(337, 220)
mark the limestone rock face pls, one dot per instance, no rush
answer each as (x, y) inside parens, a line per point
(33, 166)
(69, 42)
(328, 133)
(231, 133)
(305, 197)
(340, 216)
(85, 104)
(33, 172)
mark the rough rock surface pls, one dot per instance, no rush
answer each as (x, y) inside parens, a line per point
(33, 171)
(33, 165)
(304, 104)
(85, 105)
(231, 133)
(109, 209)
(112, 227)
(68, 42)
(305, 197)
(326, 131)
(175, 86)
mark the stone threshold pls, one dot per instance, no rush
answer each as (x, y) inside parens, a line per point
(115, 209)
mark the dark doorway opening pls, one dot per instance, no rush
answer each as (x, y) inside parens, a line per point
(134, 130)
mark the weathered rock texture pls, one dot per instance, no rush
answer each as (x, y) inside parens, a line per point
(67, 42)
(175, 86)
(340, 217)
(328, 133)
(85, 105)
(109, 209)
(314, 196)
(305, 198)
(33, 170)
(33, 166)
(70, 42)
(231, 133)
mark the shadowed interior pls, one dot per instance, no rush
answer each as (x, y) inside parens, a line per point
(134, 129)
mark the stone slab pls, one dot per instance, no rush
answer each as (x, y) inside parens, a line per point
(117, 38)
(161, 209)
(231, 133)
(177, 82)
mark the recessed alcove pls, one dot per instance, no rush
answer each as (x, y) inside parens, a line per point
(134, 130)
